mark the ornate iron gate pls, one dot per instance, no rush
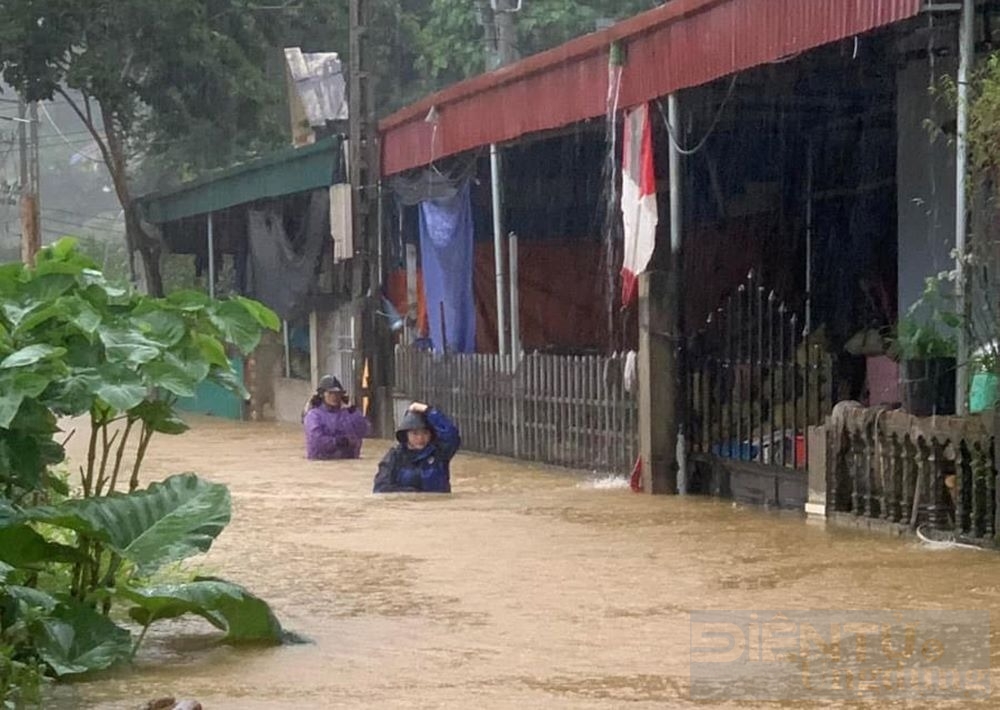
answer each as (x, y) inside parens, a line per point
(756, 380)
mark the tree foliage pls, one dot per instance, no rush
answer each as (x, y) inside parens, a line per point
(176, 87)
(74, 345)
(184, 73)
(451, 41)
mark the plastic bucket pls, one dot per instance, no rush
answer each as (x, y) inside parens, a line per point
(983, 392)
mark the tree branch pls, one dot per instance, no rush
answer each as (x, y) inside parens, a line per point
(88, 123)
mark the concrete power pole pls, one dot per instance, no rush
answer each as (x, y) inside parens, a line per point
(31, 240)
(371, 338)
(506, 30)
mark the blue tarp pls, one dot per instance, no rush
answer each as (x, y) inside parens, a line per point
(446, 250)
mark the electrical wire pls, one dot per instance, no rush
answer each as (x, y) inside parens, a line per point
(71, 213)
(77, 225)
(711, 128)
(61, 135)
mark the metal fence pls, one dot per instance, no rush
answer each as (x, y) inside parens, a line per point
(935, 473)
(565, 410)
(756, 381)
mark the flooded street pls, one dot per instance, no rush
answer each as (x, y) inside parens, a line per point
(527, 588)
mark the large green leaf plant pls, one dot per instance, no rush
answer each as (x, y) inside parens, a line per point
(74, 347)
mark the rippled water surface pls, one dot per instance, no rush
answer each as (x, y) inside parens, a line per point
(527, 588)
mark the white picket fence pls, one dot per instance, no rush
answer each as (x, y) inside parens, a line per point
(564, 410)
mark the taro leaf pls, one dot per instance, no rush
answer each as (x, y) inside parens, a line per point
(84, 351)
(122, 345)
(228, 380)
(16, 312)
(167, 522)
(77, 639)
(10, 278)
(169, 375)
(244, 617)
(30, 355)
(48, 267)
(5, 571)
(188, 300)
(122, 397)
(63, 249)
(95, 278)
(162, 326)
(81, 314)
(237, 325)
(74, 395)
(52, 481)
(195, 366)
(37, 317)
(25, 455)
(35, 418)
(9, 515)
(160, 417)
(50, 286)
(261, 313)
(15, 386)
(23, 547)
(211, 349)
(120, 387)
(31, 597)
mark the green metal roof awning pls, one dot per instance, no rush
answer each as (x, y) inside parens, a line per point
(281, 173)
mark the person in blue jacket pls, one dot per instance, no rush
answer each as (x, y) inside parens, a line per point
(428, 440)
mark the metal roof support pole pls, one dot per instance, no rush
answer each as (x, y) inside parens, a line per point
(515, 298)
(674, 307)
(515, 342)
(967, 49)
(314, 353)
(498, 248)
(211, 257)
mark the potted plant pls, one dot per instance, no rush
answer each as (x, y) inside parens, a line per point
(925, 348)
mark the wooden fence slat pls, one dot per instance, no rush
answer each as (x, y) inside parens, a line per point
(564, 410)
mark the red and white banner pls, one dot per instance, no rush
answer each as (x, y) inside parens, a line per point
(639, 213)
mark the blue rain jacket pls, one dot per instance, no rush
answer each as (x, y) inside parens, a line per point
(424, 471)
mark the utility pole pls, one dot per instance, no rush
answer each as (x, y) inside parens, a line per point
(31, 240)
(371, 337)
(506, 30)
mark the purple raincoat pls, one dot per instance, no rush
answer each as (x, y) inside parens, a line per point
(334, 433)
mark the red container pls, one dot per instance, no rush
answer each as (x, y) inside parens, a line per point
(882, 375)
(800, 451)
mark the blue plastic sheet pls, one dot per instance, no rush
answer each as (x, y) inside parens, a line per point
(446, 251)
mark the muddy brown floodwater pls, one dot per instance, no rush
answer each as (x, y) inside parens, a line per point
(527, 588)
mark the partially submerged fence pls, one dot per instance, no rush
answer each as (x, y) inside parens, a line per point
(565, 410)
(937, 474)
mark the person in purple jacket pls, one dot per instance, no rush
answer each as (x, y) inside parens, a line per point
(334, 430)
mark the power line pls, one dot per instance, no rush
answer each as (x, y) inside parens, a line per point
(79, 223)
(85, 227)
(48, 117)
(83, 215)
(65, 134)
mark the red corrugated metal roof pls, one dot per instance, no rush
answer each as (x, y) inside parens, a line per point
(682, 44)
